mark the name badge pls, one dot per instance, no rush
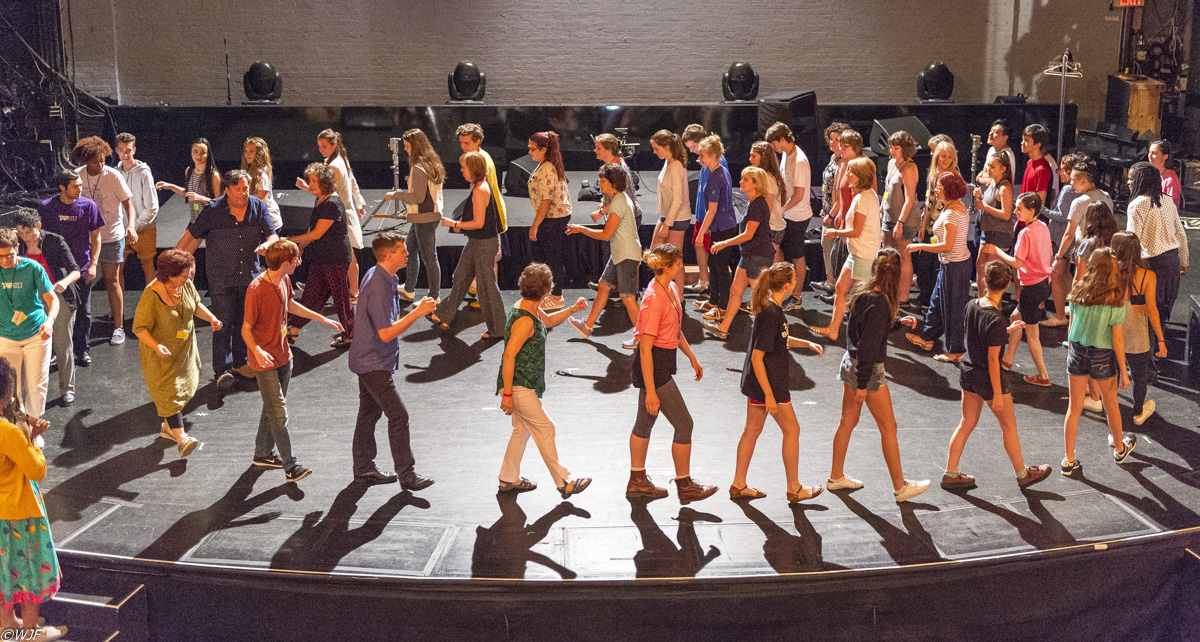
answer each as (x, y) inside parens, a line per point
(182, 334)
(18, 317)
(283, 332)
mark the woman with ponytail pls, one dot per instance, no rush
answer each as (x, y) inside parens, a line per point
(333, 150)
(765, 383)
(754, 240)
(874, 305)
(31, 573)
(674, 213)
(659, 337)
(608, 150)
(551, 212)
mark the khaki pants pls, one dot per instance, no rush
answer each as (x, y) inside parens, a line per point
(529, 419)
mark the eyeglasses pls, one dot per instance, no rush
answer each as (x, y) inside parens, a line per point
(534, 148)
(8, 255)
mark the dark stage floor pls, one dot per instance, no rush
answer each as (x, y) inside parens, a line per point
(115, 488)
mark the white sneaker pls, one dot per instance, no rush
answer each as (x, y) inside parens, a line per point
(118, 337)
(630, 343)
(1093, 405)
(552, 304)
(405, 294)
(846, 482)
(698, 286)
(911, 489)
(1147, 410)
(580, 327)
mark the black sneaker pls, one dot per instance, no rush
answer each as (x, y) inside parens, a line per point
(1070, 468)
(296, 473)
(225, 382)
(84, 360)
(270, 461)
(1128, 441)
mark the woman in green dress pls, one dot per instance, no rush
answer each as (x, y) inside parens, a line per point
(164, 327)
(522, 380)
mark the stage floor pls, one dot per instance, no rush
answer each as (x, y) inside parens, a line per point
(115, 488)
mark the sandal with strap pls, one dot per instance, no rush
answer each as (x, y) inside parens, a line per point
(745, 492)
(916, 340)
(517, 486)
(825, 332)
(575, 486)
(433, 318)
(805, 492)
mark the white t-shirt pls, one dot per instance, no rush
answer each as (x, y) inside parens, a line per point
(272, 206)
(865, 245)
(797, 173)
(1079, 208)
(109, 191)
(777, 221)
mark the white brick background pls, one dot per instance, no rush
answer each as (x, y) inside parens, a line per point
(546, 52)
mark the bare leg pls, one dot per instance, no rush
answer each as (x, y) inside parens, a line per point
(1014, 339)
(801, 267)
(1077, 387)
(702, 263)
(1112, 412)
(906, 270)
(851, 410)
(1032, 338)
(786, 418)
(29, 615)
(675, 237)
(972, 405)
(352, 274)
(631, 307)
(601, 300)
(880, 405)
(756, 417)
(114, 282)
(735, 299)
(1008, 429)
(1059, 284)
(148, 269)
(841, 291)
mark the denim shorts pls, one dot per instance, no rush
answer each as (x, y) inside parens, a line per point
(113, 252)
(622, 276)
(678, 226)
(1086, 361)
(849, 374)
(754, 264)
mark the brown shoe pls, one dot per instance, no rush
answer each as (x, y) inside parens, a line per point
(1035, 475)
(690, 491)
(245, 370)
(641, 486)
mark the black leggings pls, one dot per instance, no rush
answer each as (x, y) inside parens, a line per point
(550, 248)
(1141, 370)
(175, 420)
(720, 269)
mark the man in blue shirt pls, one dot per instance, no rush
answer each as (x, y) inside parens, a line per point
(374, 356)
(238, 228)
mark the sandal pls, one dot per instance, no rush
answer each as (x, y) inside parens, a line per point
(1006, 366)
(1037, 381)
(947, 357)
(438, 322)
(487, 336)
(340, 341)
(806, 492)
(575, 486)
(715, 330)
(517, 486)
(916, 340)
(745, 492)
(825, 332)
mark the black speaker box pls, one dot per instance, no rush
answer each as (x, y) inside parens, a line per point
(882, 129)
(516, 179)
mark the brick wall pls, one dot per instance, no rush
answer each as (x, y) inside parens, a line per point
(387, 52)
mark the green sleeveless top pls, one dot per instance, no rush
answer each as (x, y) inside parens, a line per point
(530, 364)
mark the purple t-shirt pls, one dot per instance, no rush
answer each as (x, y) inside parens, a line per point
(74, 223)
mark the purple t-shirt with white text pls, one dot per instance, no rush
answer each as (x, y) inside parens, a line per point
(74, 223)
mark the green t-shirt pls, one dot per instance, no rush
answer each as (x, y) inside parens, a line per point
(1091, 325)
(530, 364)
(21, 290)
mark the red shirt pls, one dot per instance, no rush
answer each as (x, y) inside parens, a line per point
(41, 259)
(1037, 176)
(266, 312)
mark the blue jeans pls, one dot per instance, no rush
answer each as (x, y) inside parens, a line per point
(422, 245)
(272, 423)
(228, 348)
(947, 307)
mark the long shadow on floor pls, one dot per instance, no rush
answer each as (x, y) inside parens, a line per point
(907, 370)
(1161, 507)
(70, 497)
(505, 548)
(912, 547)
(617, 375)
(787, 553)
(660, 557)
(321, 543)
(456, 356)
(225, 513)
(1042, 533)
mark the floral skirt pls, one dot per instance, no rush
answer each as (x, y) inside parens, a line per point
(29, 569)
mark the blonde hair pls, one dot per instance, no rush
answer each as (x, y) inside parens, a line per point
(610, 142)
(712, 145)
(662, 257)
(758, 177)
(476, 164)
(770, 280)
(936, 143)
(262, 160)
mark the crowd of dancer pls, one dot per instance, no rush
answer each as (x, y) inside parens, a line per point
(1058, 248)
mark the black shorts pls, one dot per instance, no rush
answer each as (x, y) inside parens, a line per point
(1086, 361)
(978, 381)
(1002, 240)
(793, 240)
(1032, 305)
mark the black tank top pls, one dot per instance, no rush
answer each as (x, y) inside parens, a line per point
(491, 219)
(1140, 298)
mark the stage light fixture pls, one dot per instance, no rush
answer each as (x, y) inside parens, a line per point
(935, 82)
(467, 83)
(740, 82)
(262, 83)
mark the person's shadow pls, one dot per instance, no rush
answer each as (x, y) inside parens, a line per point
(787, 553)
(617, 375)
(505, 548)
(70, 497)
(225, 513)
(912, 547)
(659, 556)
(321, 543)
(1041, 533)
(456, 356)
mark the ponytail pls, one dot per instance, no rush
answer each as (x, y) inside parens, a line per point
(661, 257)
(672, 141)
(549, 142)
(770, 280)
(339, 148)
